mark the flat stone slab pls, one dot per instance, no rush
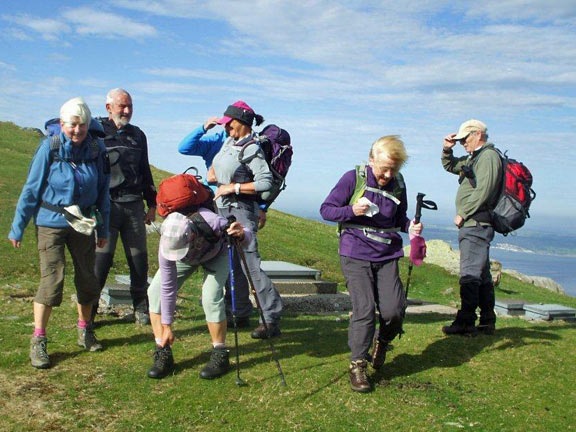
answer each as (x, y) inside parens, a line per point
(299, 286)
(513, 304)
(286, 270)
(509, 307)
(549, 312)
(340, 302)
(431, 308)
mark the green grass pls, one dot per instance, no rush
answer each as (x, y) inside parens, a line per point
(520, 379)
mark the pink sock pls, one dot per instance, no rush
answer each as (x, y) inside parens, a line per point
(39, 332)
(82, 324)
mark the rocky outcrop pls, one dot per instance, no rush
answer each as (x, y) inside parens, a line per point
(539, 281)
(441, 253)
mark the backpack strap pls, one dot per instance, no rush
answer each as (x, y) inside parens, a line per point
(200, 226)
(56, 143)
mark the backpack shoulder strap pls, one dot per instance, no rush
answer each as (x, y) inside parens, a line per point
(202, 227)
(248, 158)
(360, 186)
(55, 143)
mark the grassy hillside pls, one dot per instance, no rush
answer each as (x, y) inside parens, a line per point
(519, 379)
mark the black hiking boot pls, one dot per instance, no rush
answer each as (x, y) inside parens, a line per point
(459, 328)
(163, 363)
(486, 329)
(358, 378)
(218, 364)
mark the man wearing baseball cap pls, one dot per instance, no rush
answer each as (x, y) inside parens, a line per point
(480, 174)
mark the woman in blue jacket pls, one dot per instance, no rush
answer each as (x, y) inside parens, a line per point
(67, 184)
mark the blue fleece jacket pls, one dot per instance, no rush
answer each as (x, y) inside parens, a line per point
(196, 143)
(63, 183)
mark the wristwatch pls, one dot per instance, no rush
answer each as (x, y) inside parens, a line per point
(237, 188)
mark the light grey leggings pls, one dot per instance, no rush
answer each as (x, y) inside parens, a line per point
(215, 275)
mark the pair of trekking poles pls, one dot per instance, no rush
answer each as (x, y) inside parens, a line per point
(232, 244)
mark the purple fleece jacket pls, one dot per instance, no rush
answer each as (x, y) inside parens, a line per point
(353, 242)
(168, 273)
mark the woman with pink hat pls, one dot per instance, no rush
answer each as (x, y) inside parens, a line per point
(240, 181)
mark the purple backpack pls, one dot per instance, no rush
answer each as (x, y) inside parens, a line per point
(275, 143)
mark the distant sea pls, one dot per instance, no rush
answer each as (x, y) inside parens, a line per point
(529, 252)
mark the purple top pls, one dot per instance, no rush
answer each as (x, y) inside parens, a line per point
(353, 242)
(168, 273)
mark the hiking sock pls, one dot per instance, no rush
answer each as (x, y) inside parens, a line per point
(39, 332)
(158, 341)
(82, 324)
(219, 345)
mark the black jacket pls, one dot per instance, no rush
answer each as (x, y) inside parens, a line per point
(131, 178)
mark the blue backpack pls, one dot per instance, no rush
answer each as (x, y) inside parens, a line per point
(53, 130)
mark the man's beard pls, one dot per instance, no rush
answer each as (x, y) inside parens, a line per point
(119, 120)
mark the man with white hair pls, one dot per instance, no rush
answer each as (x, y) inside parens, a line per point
(130, 183)
(480, 174)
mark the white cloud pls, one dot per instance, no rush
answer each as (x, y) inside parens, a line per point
(515, 10)
(89, 21)
(48, 28)
(7, 66)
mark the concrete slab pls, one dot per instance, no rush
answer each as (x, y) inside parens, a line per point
(514, 304)
(509, 307)
(286, 270)
(304, 286)
(549, 312)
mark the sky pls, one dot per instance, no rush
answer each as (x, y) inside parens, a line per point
(336, 74)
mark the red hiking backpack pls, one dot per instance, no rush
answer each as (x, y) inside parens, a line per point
(182, 191)
(516, 195)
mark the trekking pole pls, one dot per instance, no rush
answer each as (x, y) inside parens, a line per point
(239, 381)
(259, 306)
(420, 203)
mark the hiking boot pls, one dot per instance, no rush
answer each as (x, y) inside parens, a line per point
(38, 355)
(87, 339)
(358, 379)
(142, 318)
(261, 333)
(241, 322)
(379, 353)
(486, 329)
(163, 363)
(218, 364)
(458, 328)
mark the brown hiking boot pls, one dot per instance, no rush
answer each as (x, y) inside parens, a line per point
(379, 353)
(261, 333)
(358, 379)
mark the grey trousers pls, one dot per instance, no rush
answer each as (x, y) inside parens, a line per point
(476, 287)
(372, 285)
(268, 296)
(127, 220)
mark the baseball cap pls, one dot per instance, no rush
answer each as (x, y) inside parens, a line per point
(240, 111)
(470, 126)
(176, 236)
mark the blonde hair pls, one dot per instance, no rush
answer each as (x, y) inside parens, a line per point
(389, 146)
(75, 107)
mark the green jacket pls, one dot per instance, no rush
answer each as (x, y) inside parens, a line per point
(486, 167)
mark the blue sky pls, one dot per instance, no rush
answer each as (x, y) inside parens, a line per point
(336, 74)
